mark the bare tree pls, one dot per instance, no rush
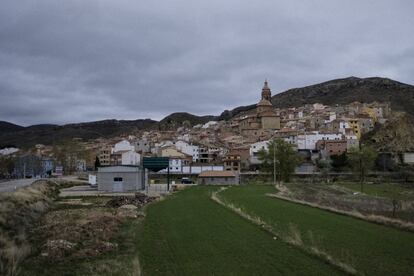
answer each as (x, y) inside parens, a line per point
(362, 159)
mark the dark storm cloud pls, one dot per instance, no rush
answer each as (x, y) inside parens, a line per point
(70, 61)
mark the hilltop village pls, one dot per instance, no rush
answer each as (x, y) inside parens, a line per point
(280, 158)
(315, 130)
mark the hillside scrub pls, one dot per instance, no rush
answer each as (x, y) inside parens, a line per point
(346, 198)
(88, 235)
(18, 211)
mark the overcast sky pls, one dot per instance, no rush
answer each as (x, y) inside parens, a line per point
(75, 61)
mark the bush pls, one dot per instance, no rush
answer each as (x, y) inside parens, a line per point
(18, 212)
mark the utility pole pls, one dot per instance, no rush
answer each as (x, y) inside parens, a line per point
(168, 178)
(274, 164)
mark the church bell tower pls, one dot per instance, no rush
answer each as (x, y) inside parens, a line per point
(266, 93)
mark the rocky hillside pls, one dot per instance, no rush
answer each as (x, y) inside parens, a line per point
(339, 91)
(178, 119)
(343, 91)
(396, 136)
(18, 136)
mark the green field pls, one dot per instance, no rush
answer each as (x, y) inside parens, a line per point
(189, 234)
(370, 248)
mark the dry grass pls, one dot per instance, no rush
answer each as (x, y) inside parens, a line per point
(11, 254)
(345, 199)
(18, 211)
(404, 225)
(89, 230)
(136, 267)
(292, 237)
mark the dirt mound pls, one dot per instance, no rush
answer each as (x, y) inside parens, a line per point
(138, 200)
(77, 233)
(57, 248)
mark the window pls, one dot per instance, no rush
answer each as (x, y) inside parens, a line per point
(117, 179)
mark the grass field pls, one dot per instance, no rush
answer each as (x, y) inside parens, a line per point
(370, 248)
(189, 234)
(387, 190)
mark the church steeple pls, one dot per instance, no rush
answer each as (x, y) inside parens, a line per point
(266, 93)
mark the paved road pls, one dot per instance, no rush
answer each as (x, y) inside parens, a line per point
(10, 186)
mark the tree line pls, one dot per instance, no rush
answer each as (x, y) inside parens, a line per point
(281, 159)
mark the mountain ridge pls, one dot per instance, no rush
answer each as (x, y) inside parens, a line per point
(350, 89)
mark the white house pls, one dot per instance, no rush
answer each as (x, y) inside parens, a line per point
(254, 151)
(176, 166)
(343, 125)
(332, 117)
(189, 149)
(209, 124)
(184, 137)
(256, 147)
(142, 145)
(308, 140)
(124, 145)
(291, 139)
(131, 158)
(262, 145)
